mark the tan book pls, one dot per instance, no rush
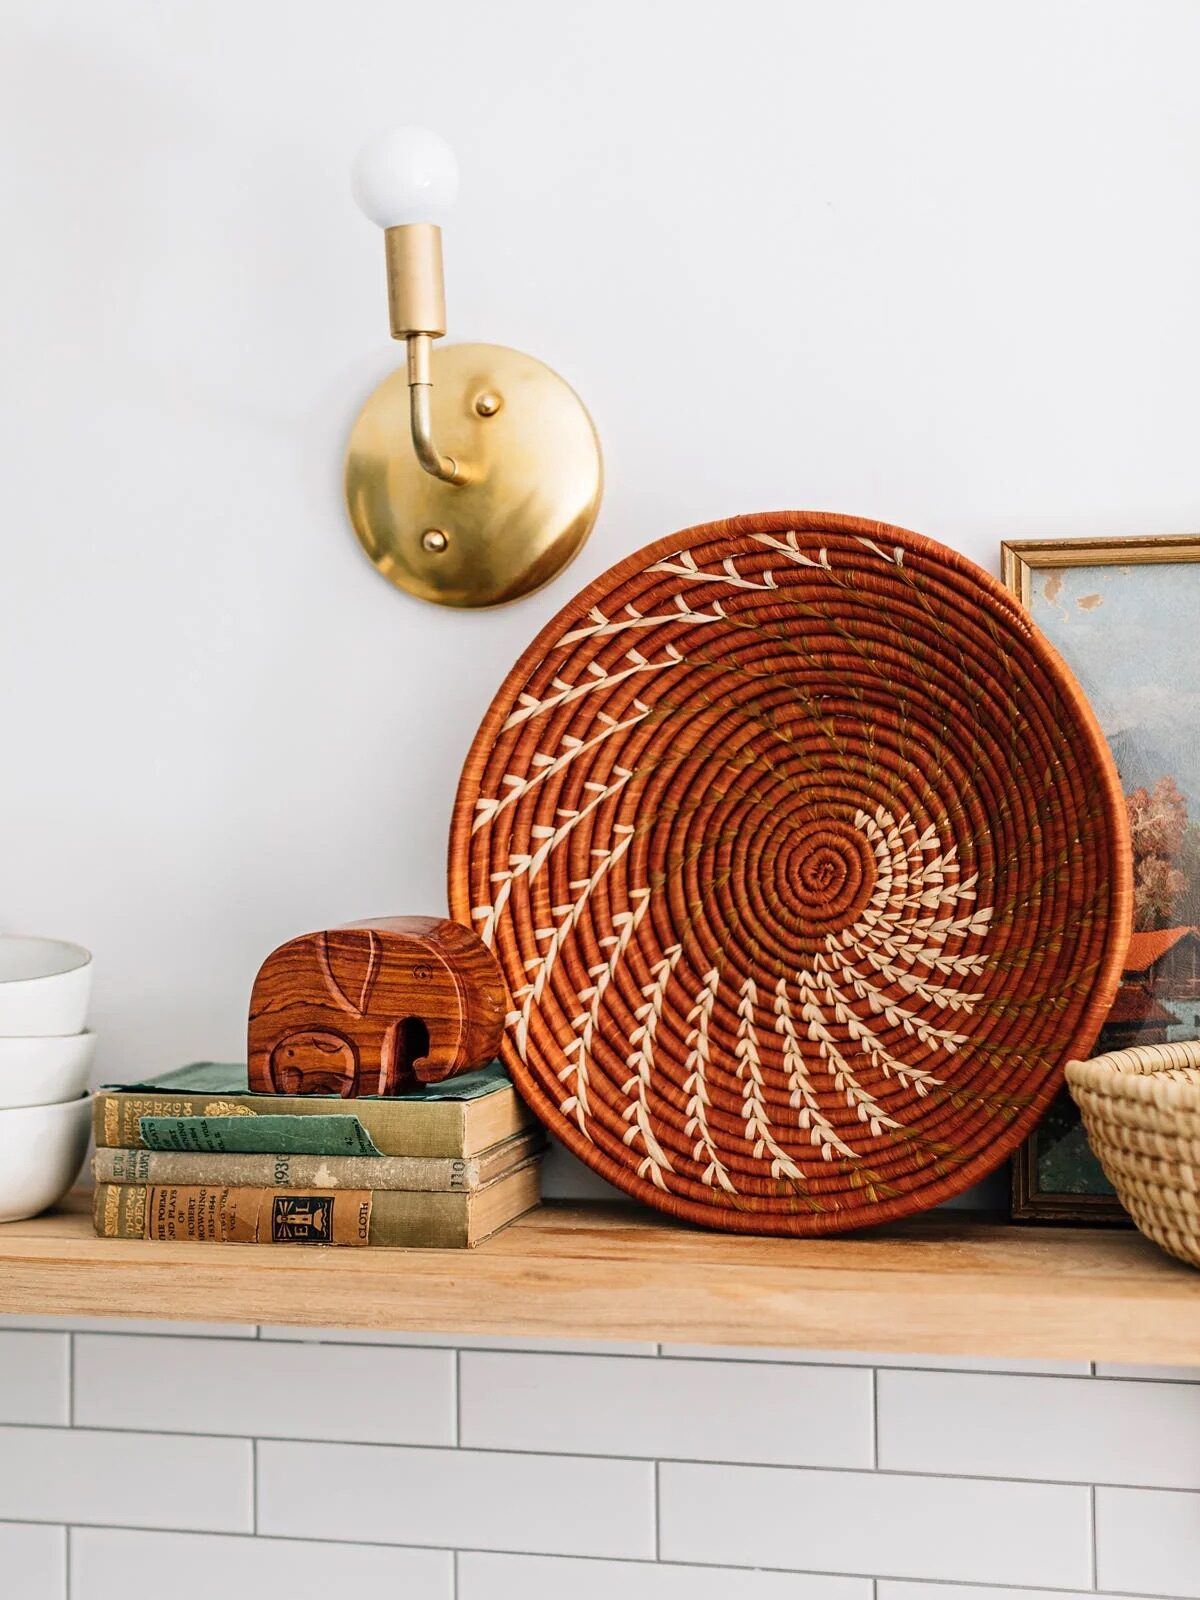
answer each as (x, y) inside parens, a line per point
(432, 1173)
(205, 1108)
(386, 1217)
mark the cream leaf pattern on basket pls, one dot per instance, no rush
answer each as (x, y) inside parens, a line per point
(820, 1015)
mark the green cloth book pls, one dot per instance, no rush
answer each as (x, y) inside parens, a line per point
(207, 1107)
(320, 1135)
(230, 1077)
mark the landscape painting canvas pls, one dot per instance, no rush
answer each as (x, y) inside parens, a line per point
(1124, 616)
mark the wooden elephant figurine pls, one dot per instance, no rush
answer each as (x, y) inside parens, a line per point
(374, 1008)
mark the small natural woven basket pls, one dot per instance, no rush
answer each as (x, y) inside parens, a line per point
(1141, 1112)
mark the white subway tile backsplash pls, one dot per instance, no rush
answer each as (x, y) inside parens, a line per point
(860, 1522)
(486, 1500)
(140, 1480)
(504, 1577)
(206, 1566)
(705, 1411)
(35, 1376)
(552, 1490)
(296, 1391)
(33, 1561)
(153, 1325)
(1063, 1429)
(1148, 1541)
(860, 1358)
(460, 1341)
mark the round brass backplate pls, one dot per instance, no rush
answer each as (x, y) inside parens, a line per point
(533, 459)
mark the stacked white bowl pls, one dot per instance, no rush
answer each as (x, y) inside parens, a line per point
(45, 1057)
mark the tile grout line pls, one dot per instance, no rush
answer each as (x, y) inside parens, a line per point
(68, 1538)
(1092, 1529)
(874, 1419)
(778, 1356)
(71, 1380)
(254, 1486)
(458, 1399)
(602, 1455)
(629, 1561)
(454, 1574)
(658, 1511)
(781, 1358)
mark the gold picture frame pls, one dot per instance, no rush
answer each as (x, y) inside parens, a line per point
(1034, 1197)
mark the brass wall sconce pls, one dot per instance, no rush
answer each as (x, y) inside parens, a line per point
(473, 474)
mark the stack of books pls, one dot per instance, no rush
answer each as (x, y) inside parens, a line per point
(193, 1155)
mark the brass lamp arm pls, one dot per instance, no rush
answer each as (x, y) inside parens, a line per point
(417, 307)
(419, 385)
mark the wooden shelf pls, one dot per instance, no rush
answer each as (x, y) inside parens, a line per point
(944, 1284)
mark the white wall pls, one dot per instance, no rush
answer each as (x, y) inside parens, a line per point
(930, 262)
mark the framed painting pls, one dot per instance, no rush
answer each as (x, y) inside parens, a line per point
(1125, 616)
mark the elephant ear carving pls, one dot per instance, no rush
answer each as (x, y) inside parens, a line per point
(314, 1062)
(350, 960)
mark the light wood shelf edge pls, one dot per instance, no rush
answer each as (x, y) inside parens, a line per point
(945, 1284)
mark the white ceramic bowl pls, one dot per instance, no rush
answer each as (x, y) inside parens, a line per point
(44, 1071)
(41, 1151)
(44, 986)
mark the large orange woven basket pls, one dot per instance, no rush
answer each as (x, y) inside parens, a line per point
(808, 869)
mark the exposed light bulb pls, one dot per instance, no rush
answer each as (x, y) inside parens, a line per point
(405, 175)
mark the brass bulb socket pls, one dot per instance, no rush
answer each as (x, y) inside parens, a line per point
(416, 295)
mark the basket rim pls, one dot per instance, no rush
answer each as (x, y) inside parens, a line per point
(1145, 1073)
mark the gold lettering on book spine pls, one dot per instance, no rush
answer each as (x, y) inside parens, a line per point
(135, 1216)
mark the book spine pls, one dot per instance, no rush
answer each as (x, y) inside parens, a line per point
(397, 1127)
(119, 1211)
(239, 1215)
(111, 1165)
